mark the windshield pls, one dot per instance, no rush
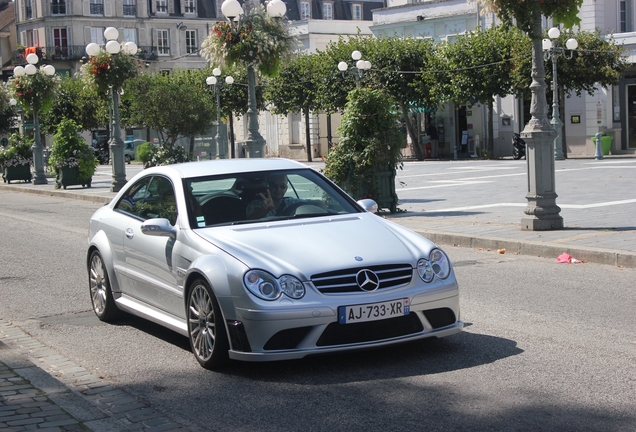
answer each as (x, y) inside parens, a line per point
(258, 196)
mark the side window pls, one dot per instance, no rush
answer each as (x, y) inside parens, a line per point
(133, 199)
(160, 201)
(150, 197)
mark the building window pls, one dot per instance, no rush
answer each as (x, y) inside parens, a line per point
(305, 11)
(356, 12)
(130, 35)
(189, 6)
(97, 7)
(191, 42)
(327, 11)
(97, 35)
(28, 9)
(130, 8)
(163, 45)
(60, 40)
(58, 7)
(625, 18)
(162, 6)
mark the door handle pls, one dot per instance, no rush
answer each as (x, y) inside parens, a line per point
(129, 233)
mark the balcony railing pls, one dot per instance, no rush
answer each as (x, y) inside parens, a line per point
(73, 53)
(189, 9)
(58, 8)
(130, 10)
(28, 12)
(97, 9)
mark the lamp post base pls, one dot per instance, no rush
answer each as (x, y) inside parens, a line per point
(255, 148)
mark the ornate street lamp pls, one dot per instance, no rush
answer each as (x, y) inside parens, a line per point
(213, 81)
(116, 144)
(361, 66)
(46, 72)
(237, 18)
(551, 51)
(542, 212)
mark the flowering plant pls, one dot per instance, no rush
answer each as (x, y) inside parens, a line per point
(166, 153)
(108, 71)
(259, 41)
(34, 91)
(19, 151)
(70, 150)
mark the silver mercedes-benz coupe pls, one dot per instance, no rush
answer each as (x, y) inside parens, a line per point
(265, 259)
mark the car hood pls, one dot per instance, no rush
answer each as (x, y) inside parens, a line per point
(308, 246)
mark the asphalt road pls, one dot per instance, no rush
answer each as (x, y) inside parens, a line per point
(547, 347)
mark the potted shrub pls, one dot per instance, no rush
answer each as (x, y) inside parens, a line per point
(365, 160)
(72, 159)
(16, 159)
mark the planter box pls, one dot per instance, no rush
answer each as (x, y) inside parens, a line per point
(384, 196)
(20, 172)
(70, 177)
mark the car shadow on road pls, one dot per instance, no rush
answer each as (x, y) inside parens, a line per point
(425, 357)
(430, 214)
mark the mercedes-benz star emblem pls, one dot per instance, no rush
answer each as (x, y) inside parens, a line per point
(367, 280)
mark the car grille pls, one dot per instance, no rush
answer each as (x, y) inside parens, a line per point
(344, 281)
(342, 334)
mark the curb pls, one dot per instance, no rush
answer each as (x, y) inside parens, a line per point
(545, 250)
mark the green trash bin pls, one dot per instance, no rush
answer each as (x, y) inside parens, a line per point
(606, 143)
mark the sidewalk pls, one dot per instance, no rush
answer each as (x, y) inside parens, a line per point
(40, 389)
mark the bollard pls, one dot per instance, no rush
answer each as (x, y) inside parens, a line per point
(599, 152)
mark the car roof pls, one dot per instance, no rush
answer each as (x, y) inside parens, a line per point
(225, 166)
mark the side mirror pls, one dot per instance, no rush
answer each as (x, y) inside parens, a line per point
(369, 205)
(159, 227)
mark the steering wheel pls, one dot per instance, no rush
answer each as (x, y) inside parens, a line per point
(302, 207)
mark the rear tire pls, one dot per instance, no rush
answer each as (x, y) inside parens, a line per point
(206, 329)
(128, 159)
(101, 294)
(516, 154)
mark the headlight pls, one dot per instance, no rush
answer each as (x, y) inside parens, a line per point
(264, 285)
(437, 264)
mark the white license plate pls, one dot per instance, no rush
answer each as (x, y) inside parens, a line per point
(373, 311)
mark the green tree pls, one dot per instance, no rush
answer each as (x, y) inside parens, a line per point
(296, 88)
(175, 105)
(477, 67)
(78, 102)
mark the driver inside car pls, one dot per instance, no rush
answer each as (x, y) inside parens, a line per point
(274, 202)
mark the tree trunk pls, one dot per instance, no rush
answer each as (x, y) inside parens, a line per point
(415, 137)
(192, 147)
(307, 134)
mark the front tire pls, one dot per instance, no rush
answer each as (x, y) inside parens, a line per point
(128, 159)
(206, 330)
(516, 154)
(101, 294)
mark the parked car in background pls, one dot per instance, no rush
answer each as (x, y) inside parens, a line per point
(264, 259)
(130, 149)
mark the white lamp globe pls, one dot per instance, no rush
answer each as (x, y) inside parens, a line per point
(546, 44)
(111, 33)
(216, 71)
(210, 80)
(32, 58)
(554, 33)
(49, 70)
(276, 8)
(18, 71)
(231, 8)
(130, 48)
(360, 64)
(13, 102)
(572, 44)
(113, 47)
(92, 49)
(229, 80)
(343, 66)
(30, 69)
(367, 64)
(356, 55)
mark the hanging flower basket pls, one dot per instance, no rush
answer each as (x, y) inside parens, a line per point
(108, 71)
(261, 41)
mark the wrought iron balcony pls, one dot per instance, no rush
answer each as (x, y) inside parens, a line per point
(97, 9)
(72, 53)
(130, 10)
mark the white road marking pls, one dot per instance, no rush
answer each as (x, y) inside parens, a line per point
(563, 206)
